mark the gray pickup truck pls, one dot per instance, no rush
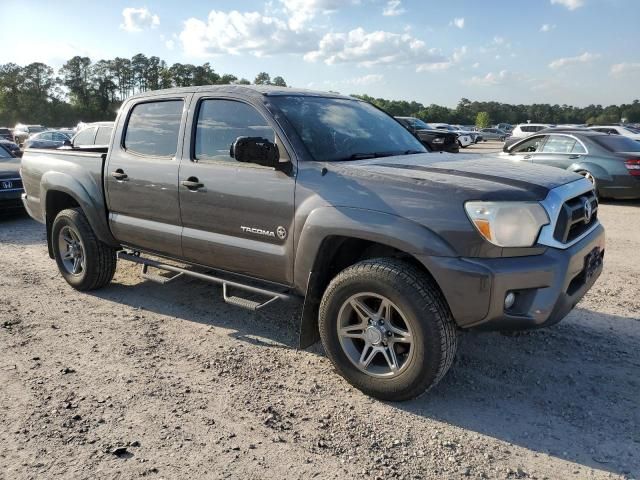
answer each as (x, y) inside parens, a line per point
(275, 193)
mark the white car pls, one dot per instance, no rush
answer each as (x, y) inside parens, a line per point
(625, 131)
(464, 138)
(526, 129)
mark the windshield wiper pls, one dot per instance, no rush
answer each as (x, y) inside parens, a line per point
(364, 156)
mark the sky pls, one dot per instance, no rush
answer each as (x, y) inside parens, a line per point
(575, 52)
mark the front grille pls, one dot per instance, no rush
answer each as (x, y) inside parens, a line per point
(10, 183)
(572, 221)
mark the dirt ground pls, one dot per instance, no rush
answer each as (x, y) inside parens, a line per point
(146, 381)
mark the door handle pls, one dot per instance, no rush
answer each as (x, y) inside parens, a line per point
(527, 157)
(192, 183)
(574, 157)
(119, 175)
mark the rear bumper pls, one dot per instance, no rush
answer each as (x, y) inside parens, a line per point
(546, 286)
(621, 187)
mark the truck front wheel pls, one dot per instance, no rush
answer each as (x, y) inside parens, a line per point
(84, 261)
(387, 329)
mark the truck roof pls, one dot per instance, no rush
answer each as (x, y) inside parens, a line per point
(248, 90)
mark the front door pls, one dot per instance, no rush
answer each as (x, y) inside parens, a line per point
(560, 151)
(236, 216)
(141, 176)
(527, 150)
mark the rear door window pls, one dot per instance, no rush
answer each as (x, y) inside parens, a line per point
(84, 137)
(559, 144)
(104, 135)
(153, 128)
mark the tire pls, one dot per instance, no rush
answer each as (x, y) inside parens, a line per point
(96, 260)
(419, 313)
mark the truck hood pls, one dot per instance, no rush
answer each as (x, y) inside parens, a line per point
(480, 177)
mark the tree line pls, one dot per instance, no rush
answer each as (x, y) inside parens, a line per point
(82, 90)
(467, 112)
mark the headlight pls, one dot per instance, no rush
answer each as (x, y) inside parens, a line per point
(508, 224)
(438, 140)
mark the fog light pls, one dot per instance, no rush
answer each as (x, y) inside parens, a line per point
(509, 300)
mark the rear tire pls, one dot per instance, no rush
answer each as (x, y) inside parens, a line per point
(84, 261)
(401, 319)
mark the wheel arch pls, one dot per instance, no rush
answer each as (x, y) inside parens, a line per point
(334, 239)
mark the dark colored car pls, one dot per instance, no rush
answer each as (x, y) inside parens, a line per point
(436, 140)
(48, 139)
(13, 148)
(610, 162)
(10, 183)
(6, 134)
(277, 193)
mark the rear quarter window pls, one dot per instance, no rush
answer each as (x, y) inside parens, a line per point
(153, 128)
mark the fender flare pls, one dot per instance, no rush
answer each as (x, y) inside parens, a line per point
(326, 222)
(93, 208)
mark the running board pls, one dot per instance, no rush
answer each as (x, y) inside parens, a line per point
(226, 284)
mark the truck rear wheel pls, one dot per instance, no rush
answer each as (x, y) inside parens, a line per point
(84, 261)
(387, 329)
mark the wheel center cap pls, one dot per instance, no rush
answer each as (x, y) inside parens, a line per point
(373, 335)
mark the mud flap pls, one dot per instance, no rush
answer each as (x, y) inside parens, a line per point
(308, 333)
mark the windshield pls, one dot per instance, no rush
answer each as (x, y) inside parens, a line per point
(420, 125)
(4, 154)
(617, 143)
(335, 129)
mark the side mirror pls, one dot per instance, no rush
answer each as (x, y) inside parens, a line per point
(256, 150)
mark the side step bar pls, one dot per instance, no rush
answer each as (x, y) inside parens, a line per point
(179, 272)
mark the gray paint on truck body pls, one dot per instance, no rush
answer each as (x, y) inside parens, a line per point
(412, 203)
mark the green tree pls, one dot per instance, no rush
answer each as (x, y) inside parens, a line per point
(483, 120)
(263, 78)
(279, 82)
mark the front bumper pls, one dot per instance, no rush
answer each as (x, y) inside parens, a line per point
(547, 286)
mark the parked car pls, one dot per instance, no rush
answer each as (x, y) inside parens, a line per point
(610, 162)
(624, 130)
(464, 139)
(392, 248)
(48, 139)
(525, 129)
(470, 130)
(505, 127)
(95, 135)
(12, 147)
(10, 183)
(6, 134)
(436, 140)
(22, 132)
(493, 134)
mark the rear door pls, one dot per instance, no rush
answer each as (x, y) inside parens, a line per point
(560, 151)
(241, 216)
(141, 176)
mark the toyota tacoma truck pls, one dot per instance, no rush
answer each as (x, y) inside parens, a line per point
(276, 193)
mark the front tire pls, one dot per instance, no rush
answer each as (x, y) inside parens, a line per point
(84, 261)
(387, 329)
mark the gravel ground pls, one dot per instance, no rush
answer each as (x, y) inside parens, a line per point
(142, 380)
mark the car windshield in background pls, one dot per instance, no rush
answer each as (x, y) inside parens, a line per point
(4, 154)
(635, 131)
(335, 129)
(420, 125)
(617, 143)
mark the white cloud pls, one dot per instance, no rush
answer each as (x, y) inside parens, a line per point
(235, 33)
(365, 80)
(476, 65)
(546, 27)
(457, 22)
(373, 48)
(570, 4)
(457, 56)
(300, 12)
(138, 19)
(170, 44)
(491, 79)
(497, 40)
(586, 57)
(623, 68)
(393, 8)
